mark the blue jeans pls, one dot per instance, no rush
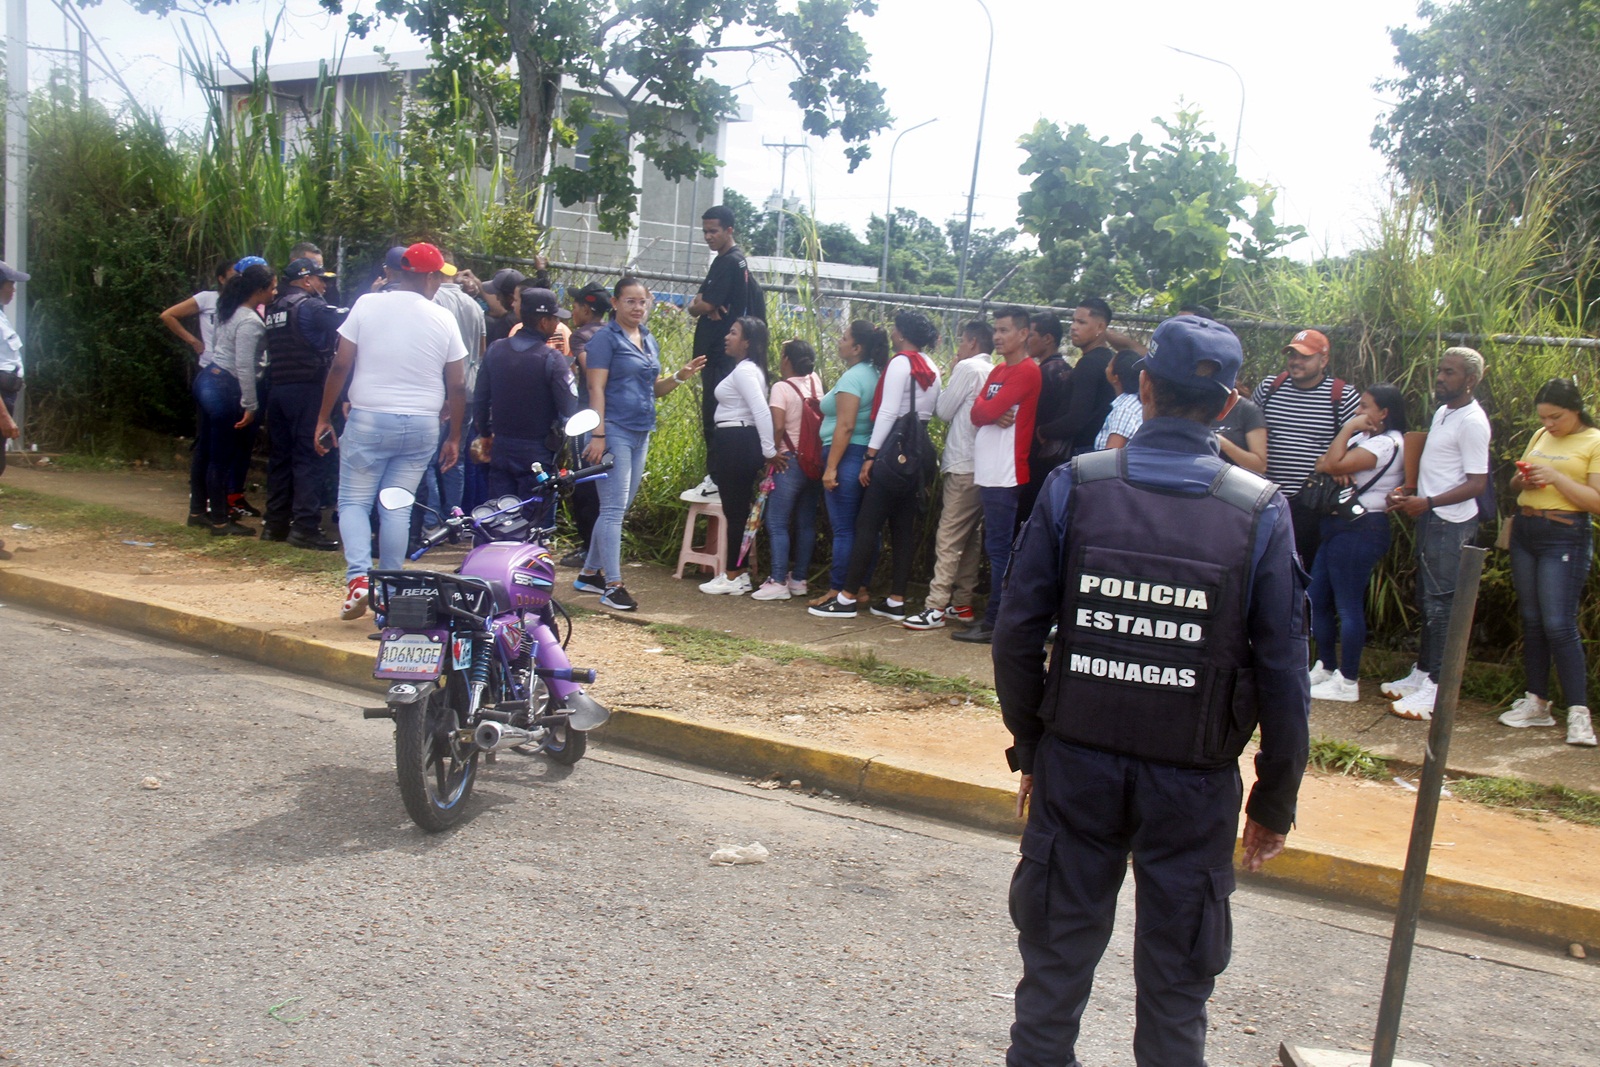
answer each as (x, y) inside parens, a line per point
(380, 450)
(628, 450)
(217, 392)
(1439, 545)
(1347, 551)
(844, 504)
(794, 498)
(999, 516)
(1549, 566)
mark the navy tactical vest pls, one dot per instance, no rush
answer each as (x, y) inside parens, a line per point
(1152, 656)
(290, 357)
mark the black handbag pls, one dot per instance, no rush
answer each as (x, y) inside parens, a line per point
(907, 461)
(1323, 495)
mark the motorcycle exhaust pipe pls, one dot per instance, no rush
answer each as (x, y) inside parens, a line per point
(494, 736)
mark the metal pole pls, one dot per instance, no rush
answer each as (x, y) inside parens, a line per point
(1422, 823)
(888, 206)
(1238, 129)
(17, 179)
(977, 154)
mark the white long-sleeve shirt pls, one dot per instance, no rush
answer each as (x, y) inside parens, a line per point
(742, 397)
(897, 382)
(954, 406)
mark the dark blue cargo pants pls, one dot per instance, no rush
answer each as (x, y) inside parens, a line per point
(1089, 811)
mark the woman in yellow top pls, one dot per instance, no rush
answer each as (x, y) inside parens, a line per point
(1558, 487)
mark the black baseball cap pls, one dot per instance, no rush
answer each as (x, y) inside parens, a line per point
(304, 268)
(542, 302)
(595, 296)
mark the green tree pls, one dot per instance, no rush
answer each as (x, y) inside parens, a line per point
(649, 63)
(1493, 96)
(1137, 221)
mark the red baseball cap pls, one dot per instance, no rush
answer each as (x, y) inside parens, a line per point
(423, 258)
(1309, 343)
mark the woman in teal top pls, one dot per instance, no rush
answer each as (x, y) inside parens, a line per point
(865, 351)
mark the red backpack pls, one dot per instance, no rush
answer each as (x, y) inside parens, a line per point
(808, 443)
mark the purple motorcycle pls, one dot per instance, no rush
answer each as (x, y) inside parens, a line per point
(473, 658)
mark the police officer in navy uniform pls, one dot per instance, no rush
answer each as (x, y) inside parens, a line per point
(1182, 625)
(302, 335)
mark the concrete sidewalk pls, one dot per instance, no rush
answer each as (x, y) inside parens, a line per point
(1480, 747)
(1532, 890)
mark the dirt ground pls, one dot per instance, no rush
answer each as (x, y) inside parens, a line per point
(802, 700)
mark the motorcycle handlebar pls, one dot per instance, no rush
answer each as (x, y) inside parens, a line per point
(574, 477)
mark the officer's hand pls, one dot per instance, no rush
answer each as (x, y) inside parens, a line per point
(1024, 791)
(1260, 844)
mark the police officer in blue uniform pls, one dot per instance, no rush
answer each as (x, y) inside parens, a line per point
(302, 335)
(1182, 626)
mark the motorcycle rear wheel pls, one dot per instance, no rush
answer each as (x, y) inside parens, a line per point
(435, 771)
(566, 745)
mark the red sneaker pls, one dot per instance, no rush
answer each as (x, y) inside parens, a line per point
(355, 599)
(963, 613)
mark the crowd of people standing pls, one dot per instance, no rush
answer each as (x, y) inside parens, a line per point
(501, 364)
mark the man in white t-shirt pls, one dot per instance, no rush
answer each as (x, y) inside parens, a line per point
(1453, 472)
(958, 547)
(403, 356)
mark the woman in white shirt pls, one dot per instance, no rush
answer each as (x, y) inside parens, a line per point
(741, 443)
(1366, 451)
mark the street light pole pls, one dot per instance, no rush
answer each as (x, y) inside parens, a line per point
(1239, 126)
(888, 206)
(977, 154)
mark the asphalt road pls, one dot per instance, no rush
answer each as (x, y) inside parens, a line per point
(271, 903)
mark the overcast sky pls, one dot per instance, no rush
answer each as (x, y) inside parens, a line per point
(1308, 77)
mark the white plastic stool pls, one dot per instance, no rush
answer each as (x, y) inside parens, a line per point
(713, 551)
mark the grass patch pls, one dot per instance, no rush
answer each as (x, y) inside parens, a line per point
(1348, 758)
(1574, 805)
(723, 650)
(64, 513)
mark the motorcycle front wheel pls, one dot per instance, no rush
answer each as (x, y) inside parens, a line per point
(435, 770)
(566, 745)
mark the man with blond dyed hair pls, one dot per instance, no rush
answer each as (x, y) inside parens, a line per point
(1453, 472)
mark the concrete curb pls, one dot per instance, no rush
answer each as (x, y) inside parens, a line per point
(861, 778)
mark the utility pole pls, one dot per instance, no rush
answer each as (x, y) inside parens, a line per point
(17, 175)
(977, 155)
(783, 184)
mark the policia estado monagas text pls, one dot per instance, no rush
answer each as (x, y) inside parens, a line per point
(1182, 625)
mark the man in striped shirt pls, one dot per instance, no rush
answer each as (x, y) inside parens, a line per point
(1304, 408)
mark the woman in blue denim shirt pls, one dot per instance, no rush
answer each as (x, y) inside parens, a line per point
(625, 380)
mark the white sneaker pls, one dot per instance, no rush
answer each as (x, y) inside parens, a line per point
(798, 587)
(1580, 731)
(723, 585)
(1404, 687)
(1319, 673)
(1417, 705)
(1337, 687)
(707, 489)
(1528, 710)
(771, 590)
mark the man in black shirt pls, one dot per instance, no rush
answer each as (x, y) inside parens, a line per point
(525, 389)
(302, 334)
(1046, 453)
(722, 298)
(1089, 393)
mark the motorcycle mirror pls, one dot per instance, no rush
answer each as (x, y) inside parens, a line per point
(395, 498)
(583, 422)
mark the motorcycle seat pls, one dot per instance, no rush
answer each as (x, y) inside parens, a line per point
(497, 590)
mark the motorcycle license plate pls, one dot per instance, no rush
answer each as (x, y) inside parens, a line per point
(411, 655)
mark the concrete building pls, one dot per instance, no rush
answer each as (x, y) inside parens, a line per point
(666, 232)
